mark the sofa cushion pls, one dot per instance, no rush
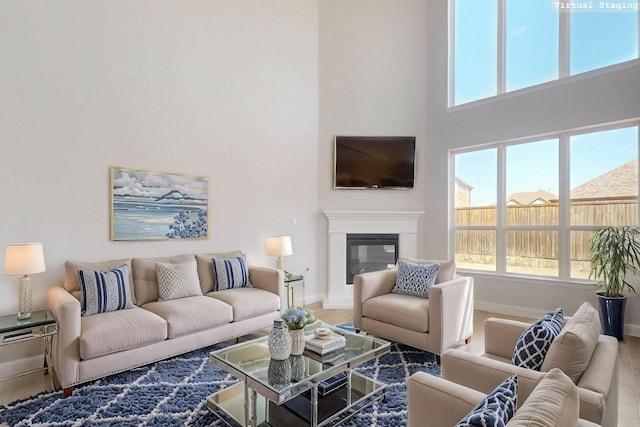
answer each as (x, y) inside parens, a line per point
(102, 292)
(554, 402)
(191, 314)
(71, 268)
(230, 273)
(145, 279)
(177, 280)
(248, 302)
(447, 268)
(496, 409)
(415, 279)
(205, 268)
(572, 349)
(533, 344)
(115, 331)
(405, 311)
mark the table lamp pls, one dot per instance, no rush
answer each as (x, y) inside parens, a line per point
(22, 259)
(279, 246)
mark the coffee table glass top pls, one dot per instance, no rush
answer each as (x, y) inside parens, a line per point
(250, 361)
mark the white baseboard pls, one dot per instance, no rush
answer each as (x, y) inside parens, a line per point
(15, 367)
(632, 330)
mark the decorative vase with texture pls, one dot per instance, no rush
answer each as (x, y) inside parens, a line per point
(298, 368)
(279, 340)
(297, 341)
(279, 372)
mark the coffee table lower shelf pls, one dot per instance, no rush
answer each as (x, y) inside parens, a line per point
(229, 405)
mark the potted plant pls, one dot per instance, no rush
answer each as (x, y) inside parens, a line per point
(615, 253)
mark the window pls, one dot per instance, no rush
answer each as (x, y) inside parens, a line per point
(500, 46)
(539, 202)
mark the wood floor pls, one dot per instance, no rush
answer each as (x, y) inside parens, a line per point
(629, 359)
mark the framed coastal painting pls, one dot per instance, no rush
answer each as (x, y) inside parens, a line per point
(149, 205)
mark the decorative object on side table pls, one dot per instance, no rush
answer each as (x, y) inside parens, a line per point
(296, 319)
(22, 259)
(279, 340)
(615, 251)
(298, 367)
(279, 246)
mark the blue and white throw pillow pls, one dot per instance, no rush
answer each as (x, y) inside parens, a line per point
(415, 279)
(496, 409)
(533, 345)
(230, 273)
(104, 291)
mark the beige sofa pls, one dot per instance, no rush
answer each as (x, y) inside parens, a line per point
(433, 324)
(436, 402)
(588, 358)
(91, 347)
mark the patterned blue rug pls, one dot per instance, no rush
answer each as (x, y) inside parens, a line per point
(174, 392)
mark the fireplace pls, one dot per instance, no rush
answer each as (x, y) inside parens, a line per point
(370, 252)
(404, 224)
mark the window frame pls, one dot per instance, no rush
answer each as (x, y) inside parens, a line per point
(563, 227)
(501, 45)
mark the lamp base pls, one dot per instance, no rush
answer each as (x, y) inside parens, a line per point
(24, 295)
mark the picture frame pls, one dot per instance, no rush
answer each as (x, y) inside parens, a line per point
(147, 205)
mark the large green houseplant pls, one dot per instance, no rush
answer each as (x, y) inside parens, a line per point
(615, 254)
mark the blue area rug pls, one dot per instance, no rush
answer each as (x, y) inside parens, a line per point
(174, 392)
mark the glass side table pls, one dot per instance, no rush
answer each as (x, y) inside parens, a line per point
(41, 325)
(291, 280)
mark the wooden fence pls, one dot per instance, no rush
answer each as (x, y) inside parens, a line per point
(539, 244)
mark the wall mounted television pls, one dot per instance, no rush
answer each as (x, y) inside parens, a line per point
(363, 162)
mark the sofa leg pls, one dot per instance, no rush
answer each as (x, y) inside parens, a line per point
(467, 341)
(68, 391)
(438, 359)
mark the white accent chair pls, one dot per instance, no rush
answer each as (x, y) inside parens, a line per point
(433, 324)
(553, 401)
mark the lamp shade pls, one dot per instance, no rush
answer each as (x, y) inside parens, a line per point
(279, 246)
(24, 258)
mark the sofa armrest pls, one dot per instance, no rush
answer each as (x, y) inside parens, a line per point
(451, 312)
(484, 374)
(370, 285)
(65, 352)
(501, 336)
(269, 279)
(438, 402)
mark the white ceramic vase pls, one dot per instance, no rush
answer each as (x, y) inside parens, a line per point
(297, 341)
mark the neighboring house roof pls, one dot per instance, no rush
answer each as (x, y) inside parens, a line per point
(463, 184)
(539, 197)
(619, 182)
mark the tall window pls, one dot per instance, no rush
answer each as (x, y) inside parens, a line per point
(530, 208)
(503, 45)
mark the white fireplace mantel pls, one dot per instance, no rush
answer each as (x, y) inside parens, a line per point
(341, 223)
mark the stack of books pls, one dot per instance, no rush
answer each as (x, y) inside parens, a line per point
(325, 345)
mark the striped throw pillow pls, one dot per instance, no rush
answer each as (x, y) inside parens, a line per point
(230, 273)
(104, 291)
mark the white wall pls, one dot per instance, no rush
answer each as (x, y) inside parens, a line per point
(373, 62)
(600, 99)
(222, 89)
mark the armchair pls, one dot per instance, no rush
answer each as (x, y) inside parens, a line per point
(436, 402)
(433, 324)
(588, 358)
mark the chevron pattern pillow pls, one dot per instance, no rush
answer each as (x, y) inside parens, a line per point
(104, 291)
(415, 279)
(532, 346)
(230, 273)
(496, 409)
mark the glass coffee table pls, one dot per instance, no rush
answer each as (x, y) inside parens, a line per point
(305, 390)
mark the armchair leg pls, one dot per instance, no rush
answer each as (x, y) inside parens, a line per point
(438, 359)
(68, 391)
(467, 341)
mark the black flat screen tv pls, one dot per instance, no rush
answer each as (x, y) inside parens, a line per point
(386, 162)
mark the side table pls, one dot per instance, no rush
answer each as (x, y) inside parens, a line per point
(290, 280)
(41, 325)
